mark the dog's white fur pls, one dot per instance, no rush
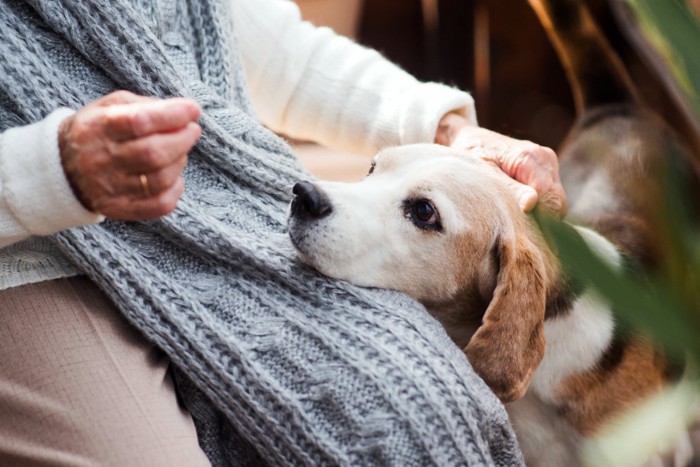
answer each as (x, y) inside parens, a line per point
(369, 241)
(577, 340)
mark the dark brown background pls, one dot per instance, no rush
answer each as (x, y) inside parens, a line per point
(521, 89)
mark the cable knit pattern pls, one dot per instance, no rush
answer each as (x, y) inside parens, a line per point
(277, 364)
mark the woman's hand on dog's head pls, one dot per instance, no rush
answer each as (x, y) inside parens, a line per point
(533, 169)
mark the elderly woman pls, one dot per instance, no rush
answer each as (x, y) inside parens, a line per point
(143, 254)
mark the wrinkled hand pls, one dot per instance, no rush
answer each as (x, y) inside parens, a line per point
(110, 145)
(533, 169)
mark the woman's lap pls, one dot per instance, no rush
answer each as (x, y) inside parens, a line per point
(80, 386)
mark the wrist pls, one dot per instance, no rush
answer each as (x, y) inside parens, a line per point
(68, 162)
(33, 181)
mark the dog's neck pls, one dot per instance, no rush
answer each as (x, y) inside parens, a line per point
(563, 290)
(460, 315)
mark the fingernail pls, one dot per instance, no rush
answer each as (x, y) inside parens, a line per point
(527, 200)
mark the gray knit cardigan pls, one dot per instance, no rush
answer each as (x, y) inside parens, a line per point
(276, 363)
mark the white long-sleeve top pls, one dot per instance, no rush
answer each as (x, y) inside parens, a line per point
(305, 82)
(309, 83)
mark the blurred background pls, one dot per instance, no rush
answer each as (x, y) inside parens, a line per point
(495, 49)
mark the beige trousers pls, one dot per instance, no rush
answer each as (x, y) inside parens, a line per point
(80, 386)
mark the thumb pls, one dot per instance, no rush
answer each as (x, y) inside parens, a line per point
(524, 194)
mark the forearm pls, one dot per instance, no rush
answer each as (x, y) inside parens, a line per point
(309, 83)
(35, 197)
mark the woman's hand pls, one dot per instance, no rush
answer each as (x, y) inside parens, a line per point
(533, 169)
(124, 154)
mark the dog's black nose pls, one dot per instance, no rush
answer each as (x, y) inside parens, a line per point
(310, 201)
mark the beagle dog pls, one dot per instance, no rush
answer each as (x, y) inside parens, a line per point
(443, 227)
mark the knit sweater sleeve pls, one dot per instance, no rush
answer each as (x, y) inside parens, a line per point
(35, 197)
(310, 83)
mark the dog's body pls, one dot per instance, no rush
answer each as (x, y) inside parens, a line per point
(444, 228)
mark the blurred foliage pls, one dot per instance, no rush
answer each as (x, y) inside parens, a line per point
(672, 28)
(664, 304)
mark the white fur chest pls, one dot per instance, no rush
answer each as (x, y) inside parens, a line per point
(577, 340)
(575, 343)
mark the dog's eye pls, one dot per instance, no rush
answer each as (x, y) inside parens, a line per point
(423, 214)
(372, 165)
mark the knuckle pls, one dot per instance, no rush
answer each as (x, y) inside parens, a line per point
(531, 150)
(115, 122)
(164, 204)
(541, 155)
(114, 149)
(163, 209)
(140, 123)
(549, 154)
(82, 129)
(152, 155)
(121, 95)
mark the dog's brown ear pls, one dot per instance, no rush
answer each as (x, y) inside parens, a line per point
(509, 345)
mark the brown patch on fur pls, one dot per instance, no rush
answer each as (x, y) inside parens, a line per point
(632, 236)
(460, 316)
(592, 398)
(560, 298)
(506, 350)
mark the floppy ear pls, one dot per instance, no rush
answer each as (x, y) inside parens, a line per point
(509, 345)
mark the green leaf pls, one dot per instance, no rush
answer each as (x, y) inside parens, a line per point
(645, 304)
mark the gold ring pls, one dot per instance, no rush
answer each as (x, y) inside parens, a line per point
(144, 185)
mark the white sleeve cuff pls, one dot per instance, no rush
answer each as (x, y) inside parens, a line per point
(34, 185)
(425, 107)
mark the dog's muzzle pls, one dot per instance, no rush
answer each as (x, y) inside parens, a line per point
(309, 202)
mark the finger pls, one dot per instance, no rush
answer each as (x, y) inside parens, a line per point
(154, 152)
(121, 97)
(152, 183)
(135, 120)
(554, 201)
(525, 195)
(128, 208)
(538, 167)
(552, 197)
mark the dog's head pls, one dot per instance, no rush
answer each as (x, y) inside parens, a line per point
(444, 228)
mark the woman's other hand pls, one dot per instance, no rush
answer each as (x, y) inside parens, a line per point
(533, 169)
(124, 154)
